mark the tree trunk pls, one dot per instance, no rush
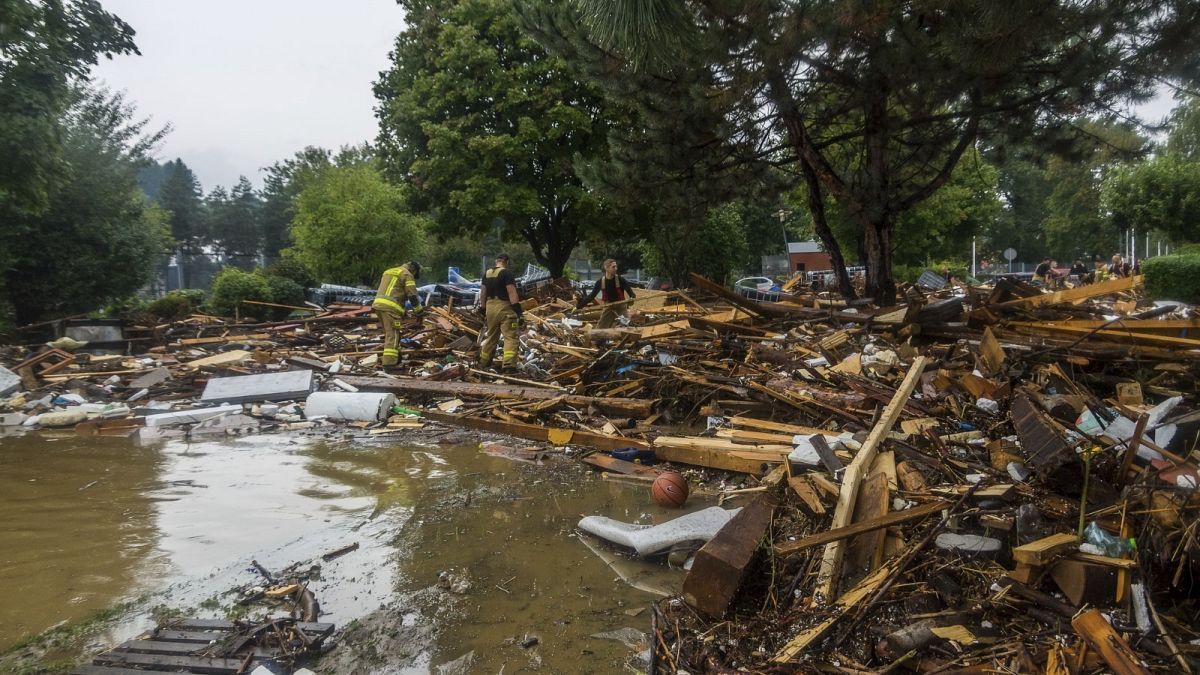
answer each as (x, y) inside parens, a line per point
(816, 205)
(877, 238)
(552, 238)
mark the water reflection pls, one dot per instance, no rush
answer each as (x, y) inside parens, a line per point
(77, 528)
(85, 523)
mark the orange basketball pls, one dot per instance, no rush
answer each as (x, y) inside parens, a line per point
(669, 490)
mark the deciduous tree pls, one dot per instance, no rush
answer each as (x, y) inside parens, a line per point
(351, 224)
(486, 127)
(1161, 194)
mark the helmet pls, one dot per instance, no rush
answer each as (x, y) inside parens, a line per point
(414, 267)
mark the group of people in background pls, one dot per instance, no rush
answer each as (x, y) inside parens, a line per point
(499, 304)
(1047, 274)
(502, 312)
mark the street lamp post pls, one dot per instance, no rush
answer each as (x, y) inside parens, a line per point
(782, 214)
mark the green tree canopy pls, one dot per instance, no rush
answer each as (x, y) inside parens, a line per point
(234, 221)
(180, 195)
(1077, 225)
(874, 104)
(1161, 194)
(1184, 137)
(100, 237)
(282, 183)
(486, 127)
(45, 47)
(351, 224)
(714, 247)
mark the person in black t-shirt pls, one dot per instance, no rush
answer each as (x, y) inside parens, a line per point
(501, 309)
(1079, 271)
(1043, 272)
(612, 288)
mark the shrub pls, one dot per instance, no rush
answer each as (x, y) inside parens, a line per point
(283, 291)
(1188, 249)
(232, 286)
(174, 305)
(1173, 277)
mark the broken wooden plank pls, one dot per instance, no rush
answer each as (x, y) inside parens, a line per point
(832, 558)
(810, 501)
(1091, 625)
(885, 521)
(753, 463)
(620, 466)
(864, 551)
(195, 342)
(539, 433)
(1074, 294)
(1045, 550)
(625, 407)
(844, 604)
(767, 425)
(720, 565)
(991, 351)
(222, 359)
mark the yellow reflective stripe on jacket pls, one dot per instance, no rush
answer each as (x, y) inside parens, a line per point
(397, 279)
(388, 303)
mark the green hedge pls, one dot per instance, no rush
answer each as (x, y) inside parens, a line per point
(1173, 277)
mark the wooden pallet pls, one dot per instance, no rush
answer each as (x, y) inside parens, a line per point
(180, 646)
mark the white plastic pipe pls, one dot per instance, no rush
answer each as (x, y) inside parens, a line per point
(349, 406)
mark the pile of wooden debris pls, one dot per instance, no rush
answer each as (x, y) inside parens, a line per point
(982, 479)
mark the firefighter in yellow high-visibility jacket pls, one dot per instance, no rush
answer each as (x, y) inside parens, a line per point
(501, 309)
(397, 287)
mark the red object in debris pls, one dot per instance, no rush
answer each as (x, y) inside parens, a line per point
(669, 490)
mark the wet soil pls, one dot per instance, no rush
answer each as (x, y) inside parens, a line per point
(466, 562)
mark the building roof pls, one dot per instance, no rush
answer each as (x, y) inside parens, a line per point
(804, 247)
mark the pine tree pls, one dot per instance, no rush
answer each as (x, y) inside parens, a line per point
(233, 221)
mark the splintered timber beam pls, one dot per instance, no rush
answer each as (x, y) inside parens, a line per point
(894, 518)
(721, 564)
(627, 407)
(1108, 643)
(1076, 294)
(539, 433)
(831, 561)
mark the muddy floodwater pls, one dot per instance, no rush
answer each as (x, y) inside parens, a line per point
(99, 536)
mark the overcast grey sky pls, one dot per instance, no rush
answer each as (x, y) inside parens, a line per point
(245, 83)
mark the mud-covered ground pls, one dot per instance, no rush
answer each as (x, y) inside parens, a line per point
(466, 562)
